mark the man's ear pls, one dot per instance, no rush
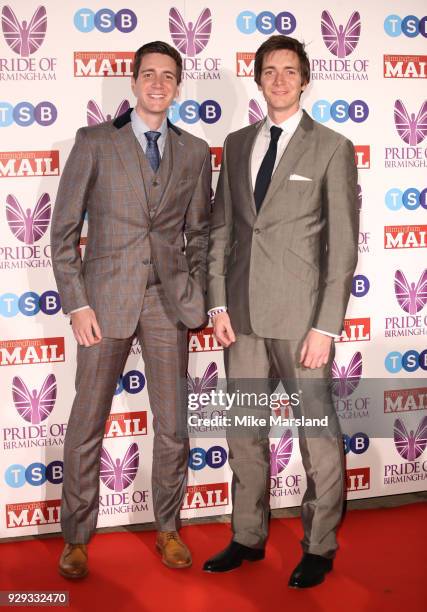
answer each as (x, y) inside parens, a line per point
(178, 92)
(133, 85)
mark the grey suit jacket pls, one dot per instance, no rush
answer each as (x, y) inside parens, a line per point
(290, 267)
(103, 177)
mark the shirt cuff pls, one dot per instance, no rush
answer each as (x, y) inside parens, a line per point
(77, 310)
(214, 311)
(325, 333)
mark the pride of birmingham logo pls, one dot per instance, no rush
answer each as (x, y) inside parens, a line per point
(345, 380)
(412, 129)
(410, 445)
(118, 474)
(339, 40)
(281, 453)
(188, 38)
(255, 112)
(207, 383)
(28, 226)
(95, 115)
(24, 38)
(34, 406)
(411, 297)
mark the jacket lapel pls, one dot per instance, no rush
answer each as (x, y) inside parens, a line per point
(293, 152)
(177, 155)
(246, 163)
(125, 143)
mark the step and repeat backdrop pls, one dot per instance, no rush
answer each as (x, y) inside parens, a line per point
(64, 65)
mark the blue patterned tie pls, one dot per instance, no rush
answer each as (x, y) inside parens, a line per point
(152, 151)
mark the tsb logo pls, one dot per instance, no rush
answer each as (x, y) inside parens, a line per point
(358, 443)
(410, 26)
(360, 285)
(266, 22)
(199, 458)
(191, 111)
(409, 361)
(25, 114)
(411, 198)
(35, 474)
(340, 111)
(105, 20)
(132, 382)
(29, 303)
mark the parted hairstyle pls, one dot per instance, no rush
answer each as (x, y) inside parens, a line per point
(277, 43)
(157, 46)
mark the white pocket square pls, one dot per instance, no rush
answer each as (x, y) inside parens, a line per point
(298, 177)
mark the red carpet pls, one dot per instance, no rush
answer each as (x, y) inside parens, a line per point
(381, 566)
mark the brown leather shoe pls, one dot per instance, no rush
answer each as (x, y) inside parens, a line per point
(73, 561)
(174, 552)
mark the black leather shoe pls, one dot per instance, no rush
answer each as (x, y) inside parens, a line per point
(310, 571)
(232, 557)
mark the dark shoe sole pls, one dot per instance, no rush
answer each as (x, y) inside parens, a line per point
(72, 576)
(313, 584)
(222, 571)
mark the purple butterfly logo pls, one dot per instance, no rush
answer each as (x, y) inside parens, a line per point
(339, 40)
(411, 298)
(411, 129)
(346, 380)
(188, 38)
(34, 406)
(410, 445)
(206, 383)
(24, 38)
(118, 474)
(28, 226)
(255, 112)
(280, 454)
(96, 116)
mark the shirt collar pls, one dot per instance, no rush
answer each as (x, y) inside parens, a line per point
(140, 127)
(288, 126)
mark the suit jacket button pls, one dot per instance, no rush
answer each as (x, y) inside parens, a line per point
(155, 183)
(257, 231)
(146, 262)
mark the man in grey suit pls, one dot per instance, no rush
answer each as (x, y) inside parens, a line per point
(283, 249)
(146, 186)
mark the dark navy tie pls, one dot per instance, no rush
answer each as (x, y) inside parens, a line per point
(266, 169)
(152, 151)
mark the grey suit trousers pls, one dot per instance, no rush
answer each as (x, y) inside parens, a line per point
(165, 353)
(252, 358)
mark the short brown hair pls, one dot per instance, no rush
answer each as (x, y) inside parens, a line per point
(276, 43)
(157, 46)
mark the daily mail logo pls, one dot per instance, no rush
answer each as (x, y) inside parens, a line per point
(356, 330)
(206, 496)
(103, 63)
(17, 164)
(125, 424)
(405, 66)
(31, 351)
(203, 340)
(216, 158)
(405, 400)
(245, 64)
(27, 514)
(358, 479)
(405, 236)
(362, 156)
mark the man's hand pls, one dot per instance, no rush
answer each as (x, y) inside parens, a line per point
(315, 350)
(222, 329)
(85, 327)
